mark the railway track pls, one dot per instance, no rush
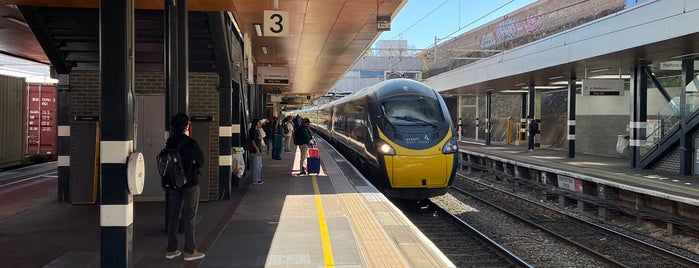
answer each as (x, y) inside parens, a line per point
(11, 177)
(607, 246)
(462, 244)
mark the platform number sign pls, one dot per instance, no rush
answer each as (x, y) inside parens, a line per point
(276, 23)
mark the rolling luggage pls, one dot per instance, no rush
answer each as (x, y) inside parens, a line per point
(313, 164)
(313, 152)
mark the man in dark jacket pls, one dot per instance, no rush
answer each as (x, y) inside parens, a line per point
(304, 139)
(533, 130)
(186, 199)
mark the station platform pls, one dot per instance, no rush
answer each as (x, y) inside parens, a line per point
(335, 218)
(607, 170)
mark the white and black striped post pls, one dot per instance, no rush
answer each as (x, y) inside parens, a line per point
(571, 116)
(63, 138)
(639, 103)
(116, 132)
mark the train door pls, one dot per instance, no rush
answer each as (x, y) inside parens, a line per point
(150, 139)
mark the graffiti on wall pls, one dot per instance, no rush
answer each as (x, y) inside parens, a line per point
(511, 27)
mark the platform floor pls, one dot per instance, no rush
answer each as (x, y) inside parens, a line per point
(608, 170)
(334, 218)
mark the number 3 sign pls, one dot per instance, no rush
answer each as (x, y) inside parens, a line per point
(276, 23)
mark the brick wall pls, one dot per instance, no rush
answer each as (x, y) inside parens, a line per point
(203, 100)
(84, 93)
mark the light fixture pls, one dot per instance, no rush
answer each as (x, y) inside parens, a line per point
(264, 49)
(556, 77)
(258, 28)
(520, 84)
(514, 91)
(16, 20)
(564, 83)
(600, 70)
(611, 76)
(685, 55)
(547, 87)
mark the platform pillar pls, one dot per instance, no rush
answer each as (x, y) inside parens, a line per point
(116, 132)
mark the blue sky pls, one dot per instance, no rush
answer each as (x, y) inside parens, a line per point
(421, 20)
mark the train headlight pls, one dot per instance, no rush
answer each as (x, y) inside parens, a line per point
(450, 146)
(384, 148)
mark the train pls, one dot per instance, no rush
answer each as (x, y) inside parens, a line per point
(29, 116)
(398, 132)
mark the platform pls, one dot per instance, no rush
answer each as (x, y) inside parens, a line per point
(335, 218)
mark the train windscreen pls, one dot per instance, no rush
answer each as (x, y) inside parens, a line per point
(412, 110)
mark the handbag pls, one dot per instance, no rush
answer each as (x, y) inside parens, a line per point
(247, 144)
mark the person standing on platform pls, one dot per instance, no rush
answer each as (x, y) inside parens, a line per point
(255, 137)
(268, 136)
(289, 129)
(184, 201)
(533, 129)
(278, 143)
(303, 139)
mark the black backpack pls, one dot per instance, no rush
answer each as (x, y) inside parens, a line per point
(171, 167)
(297, 136)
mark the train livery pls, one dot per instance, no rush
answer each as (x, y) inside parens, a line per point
(398, 132)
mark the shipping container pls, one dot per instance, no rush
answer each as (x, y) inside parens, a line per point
(42, 119)
(12, 117)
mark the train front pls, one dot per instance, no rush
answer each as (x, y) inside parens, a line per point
(416, 141)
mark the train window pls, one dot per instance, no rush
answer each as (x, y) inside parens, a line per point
(412, 110)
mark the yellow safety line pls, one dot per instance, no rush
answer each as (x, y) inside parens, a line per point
(324, 235)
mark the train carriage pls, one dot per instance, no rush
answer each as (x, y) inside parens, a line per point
(398, 132)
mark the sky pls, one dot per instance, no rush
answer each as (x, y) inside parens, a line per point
(420, 21)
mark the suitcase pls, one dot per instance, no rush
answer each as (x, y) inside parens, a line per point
(313, 152)
(313, 165)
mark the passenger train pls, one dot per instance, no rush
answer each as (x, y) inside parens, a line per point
(398, 132)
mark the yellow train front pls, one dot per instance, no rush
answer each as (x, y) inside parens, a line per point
(398, 132)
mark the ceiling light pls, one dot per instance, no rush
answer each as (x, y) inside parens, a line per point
(547, 87)
(514, 91)
(16, 20)
(520, 84)
(258, 29)
(611, 76)
(564, 83)
(556, 77)
(264, 49)
(685, 55)
(600, 70)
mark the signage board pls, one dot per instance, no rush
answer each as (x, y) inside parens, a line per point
(276, 23)
(383, 23)
(273, 75)
(569, 183)
(603, 87)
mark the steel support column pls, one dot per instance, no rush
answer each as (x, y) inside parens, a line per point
(176, 66)
(488, 112)
(523, 119)
(639, 104)
(237, 117)
(116, 132)
(176, 59)
(571, 116)
(217, 24)
(63, 138)
(225, 158)
(686, 140)
(531, 95)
